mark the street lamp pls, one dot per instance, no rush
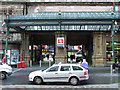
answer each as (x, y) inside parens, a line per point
(114, 29)
(7, 35)
(2, 35)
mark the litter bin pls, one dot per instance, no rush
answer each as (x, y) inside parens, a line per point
(23, 64)
(18, 64)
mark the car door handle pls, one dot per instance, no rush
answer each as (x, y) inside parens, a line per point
(56, 73)
(70, 73)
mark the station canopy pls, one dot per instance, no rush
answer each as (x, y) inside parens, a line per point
(63, 21)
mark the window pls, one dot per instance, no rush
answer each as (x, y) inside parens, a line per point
(53, 69)
(75, 68)
(109, 51)
(65, 68)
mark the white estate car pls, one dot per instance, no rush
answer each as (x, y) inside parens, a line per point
(5, 71)
(72, 73)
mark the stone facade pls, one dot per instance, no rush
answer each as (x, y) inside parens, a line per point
(99, 49)
(61, 53)
(25, 48)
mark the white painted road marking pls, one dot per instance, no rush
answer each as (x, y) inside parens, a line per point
(63, 86)
(17, 70)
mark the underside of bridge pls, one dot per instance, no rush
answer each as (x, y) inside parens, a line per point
(73, 38)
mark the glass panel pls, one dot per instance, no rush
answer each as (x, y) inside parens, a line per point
(76, 68)
(71, 27)
(65, 68)
(53, 69)
(117, 8)
(109, 51)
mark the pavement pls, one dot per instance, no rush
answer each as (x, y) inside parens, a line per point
(110, 86)
(110, 81)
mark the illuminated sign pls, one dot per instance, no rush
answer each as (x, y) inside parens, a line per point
(60, 42)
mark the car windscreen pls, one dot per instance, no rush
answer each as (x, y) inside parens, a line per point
(53, 69)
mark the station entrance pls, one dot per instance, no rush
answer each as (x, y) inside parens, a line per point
(80, 45)
(63, 29)
(44, 46)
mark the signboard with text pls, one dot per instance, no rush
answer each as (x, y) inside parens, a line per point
(60, 42)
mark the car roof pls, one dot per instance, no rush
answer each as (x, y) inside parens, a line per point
(65, 64)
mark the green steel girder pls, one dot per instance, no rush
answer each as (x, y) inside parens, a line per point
(66, 15)
(62, 19)
(57, 23)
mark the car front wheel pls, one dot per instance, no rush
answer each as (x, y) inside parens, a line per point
(74, 81)
(38, 80)
(3, 75)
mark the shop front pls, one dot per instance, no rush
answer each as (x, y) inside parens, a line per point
(109, 51)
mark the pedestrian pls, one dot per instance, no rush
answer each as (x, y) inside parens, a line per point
(118, 56)
(38, 58)
(47, 56)
(115, 60)
(72, 56)
(3, 60)
(119, 66)
(20, 57)
(80, 62)
(84, 64)
(113, 67)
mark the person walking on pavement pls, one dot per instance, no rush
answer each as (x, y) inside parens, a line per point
(72, 56)
(84, 64)
(47, 56)
(114, 66)
(3, 60)
(119, 66)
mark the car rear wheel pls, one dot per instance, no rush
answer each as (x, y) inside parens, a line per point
(38, 80)
(74, 81)
(3, 75)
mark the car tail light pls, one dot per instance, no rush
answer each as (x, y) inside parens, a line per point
(85, 73)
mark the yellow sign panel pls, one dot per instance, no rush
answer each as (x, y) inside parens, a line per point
(44, 50)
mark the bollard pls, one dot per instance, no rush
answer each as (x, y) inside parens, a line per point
(23, 64)
(111, 70)
(40, 63)
(19, 64)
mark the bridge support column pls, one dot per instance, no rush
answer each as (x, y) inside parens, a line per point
(25, 49)
(99, 49)
(61, 53)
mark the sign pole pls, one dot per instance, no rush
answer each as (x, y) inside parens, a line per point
(112, 34)
(7, 37)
